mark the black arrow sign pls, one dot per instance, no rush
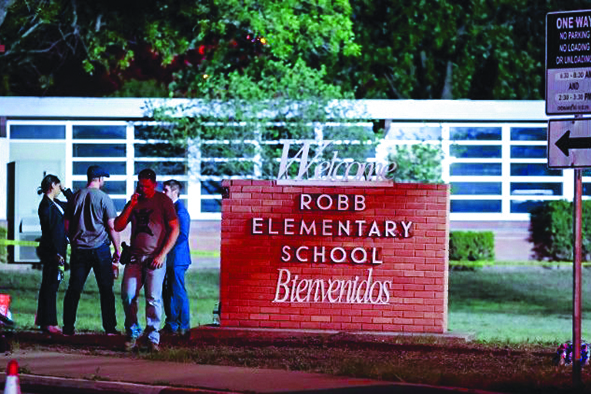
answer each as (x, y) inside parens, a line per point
(565, 143)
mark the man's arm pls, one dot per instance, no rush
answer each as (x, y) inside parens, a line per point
(123, 218)
(114, 235)
(172, 235)
(184, 223)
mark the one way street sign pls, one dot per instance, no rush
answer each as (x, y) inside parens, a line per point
(569, 143)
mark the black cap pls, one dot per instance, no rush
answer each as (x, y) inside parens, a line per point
(96, 172)
(147, 173)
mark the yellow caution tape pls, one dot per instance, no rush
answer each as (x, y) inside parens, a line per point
(19, 243)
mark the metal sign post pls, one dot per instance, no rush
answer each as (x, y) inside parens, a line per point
(568, 91)
(577, 297)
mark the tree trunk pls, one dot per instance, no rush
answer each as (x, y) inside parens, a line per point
(447, 92)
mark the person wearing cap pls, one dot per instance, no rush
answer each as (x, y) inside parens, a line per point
(154, 230)
(91, 216)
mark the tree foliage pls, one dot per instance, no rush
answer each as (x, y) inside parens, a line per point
(419, 162)
(477, 49)
(50, 42)
(449, 49)
(243, 116)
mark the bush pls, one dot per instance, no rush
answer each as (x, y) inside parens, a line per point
(471, 246)
(469, 265)
(551, 231)
(3, 252)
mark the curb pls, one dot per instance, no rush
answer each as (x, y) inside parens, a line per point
(50, 384)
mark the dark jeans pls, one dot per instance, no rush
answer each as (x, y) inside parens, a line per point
(46, 306)
(176, 299)
(82, 261)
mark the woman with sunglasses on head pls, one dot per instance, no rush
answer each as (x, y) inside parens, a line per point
(51, 250)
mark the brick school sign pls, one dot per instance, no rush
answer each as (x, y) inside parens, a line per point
(335, 257)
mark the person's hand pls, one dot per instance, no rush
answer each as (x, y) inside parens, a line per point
(134, 199)
(115, 258)
(158, 262)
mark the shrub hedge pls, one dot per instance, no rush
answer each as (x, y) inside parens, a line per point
(471, 246)
(551, 230)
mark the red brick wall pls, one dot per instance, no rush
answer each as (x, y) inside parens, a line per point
(413, 271)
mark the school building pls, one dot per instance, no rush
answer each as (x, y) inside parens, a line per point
(494, 159)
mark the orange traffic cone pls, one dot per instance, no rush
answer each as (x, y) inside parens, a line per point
(12, 385)
(5, 305)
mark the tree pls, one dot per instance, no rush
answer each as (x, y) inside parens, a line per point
(242, 118)
(261, 77)
(449, 49)
(477, 49)
(51, 42)
(419, 162)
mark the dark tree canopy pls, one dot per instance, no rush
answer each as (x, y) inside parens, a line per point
(68, 47)
(476, 49)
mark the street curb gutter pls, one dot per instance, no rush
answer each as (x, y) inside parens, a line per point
(50, 384)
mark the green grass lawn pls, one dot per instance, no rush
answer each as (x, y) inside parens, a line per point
(531, 305)
(23, 287)
(526, 305)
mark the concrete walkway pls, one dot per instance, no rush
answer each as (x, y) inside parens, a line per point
(164, 374)
(101, 370)
(48, 371)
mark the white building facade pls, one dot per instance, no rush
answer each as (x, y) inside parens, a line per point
(495, 153)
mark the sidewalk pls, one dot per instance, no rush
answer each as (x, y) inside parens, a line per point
(162, 374)
(66, 372)
(52, 371)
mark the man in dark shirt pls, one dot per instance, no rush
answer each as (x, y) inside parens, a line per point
(154, 230)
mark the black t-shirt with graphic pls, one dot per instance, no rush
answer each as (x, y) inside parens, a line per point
(149, 223)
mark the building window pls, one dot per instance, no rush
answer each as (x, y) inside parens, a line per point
(475, 151)
(99, 132)
(98, 150)
(114, 167)
(530, 169)
(159, 149)
(211, 187)
(475, 133)
(211, 205)
(228, 151)
(37, 132)
(476, 188)
(484, 169)
(110, 187)
(476, 206)
(528, 151)
(528, 134)
(536, 189)
(229, 168)
(413, 133)
(162, 167)
(524, 206)
(586, 189)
